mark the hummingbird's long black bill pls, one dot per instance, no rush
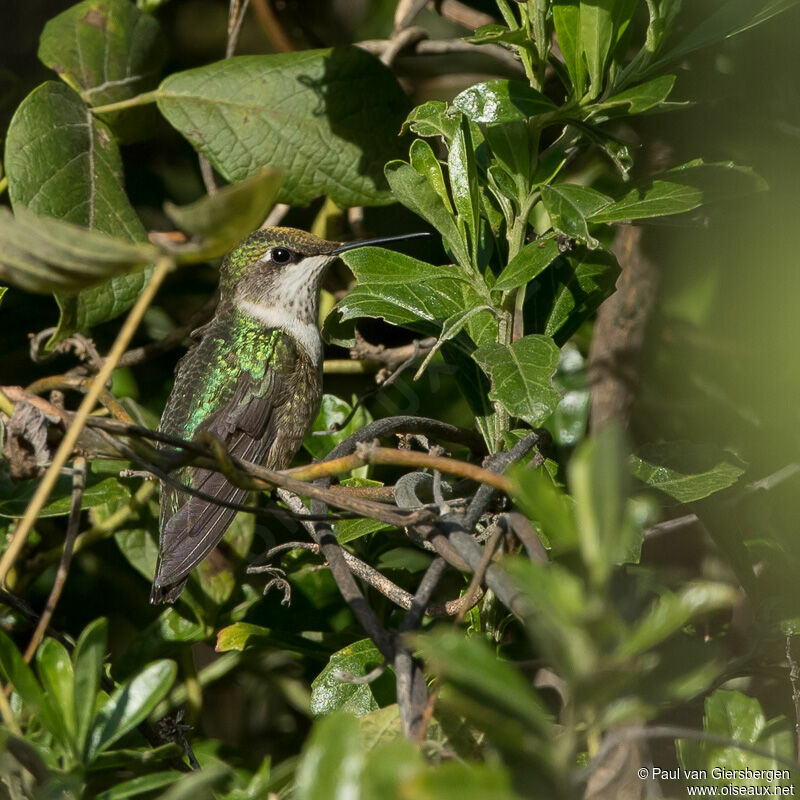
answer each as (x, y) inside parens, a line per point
(378, 240)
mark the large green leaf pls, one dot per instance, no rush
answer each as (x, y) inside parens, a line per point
(130, 704)
(62, 162)
(329, 693)
(642, 97)
(107, 50)
(567, 21)
(686, 471)
(405, 291)
(597, 36)
(502, 101)
(521, 375)
(327, 119)
(332, 413)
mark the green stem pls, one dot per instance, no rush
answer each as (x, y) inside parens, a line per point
(131, 102)
(3, 183)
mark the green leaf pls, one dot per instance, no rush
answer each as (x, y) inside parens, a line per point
(521, 375)
(140, 550)
(570, 206)
(57, 677)
(62, 162)
(329, 693)
(672, 611)
(642, 97)
(597, 37)
(198, 785)
(432, 119)
(527, 264)
(502, 101)
(493, 34)
(598, 481)
(237, 636)
(569, 291)
(461, 781)
(660, 199)
(130, 704)
(424, 161)
(686, 471)
(348, 530)
(547, 505)
(87, 660)
(136, 786)
(416, 193)
(223, 219)
(510, 145)
(404, 290)
(107, 50)
(464, 184)
(327, 119)
(333, 411)
(14, 496)
(471, 666)
(567, 21)
(332, 760)
(43, 254)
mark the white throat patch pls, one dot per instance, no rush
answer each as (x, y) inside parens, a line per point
(306, 333)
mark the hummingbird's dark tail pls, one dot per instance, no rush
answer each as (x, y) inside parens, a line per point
(192, 533)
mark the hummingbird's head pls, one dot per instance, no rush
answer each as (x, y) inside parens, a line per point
(281, 269)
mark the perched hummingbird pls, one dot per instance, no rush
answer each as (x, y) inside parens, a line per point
(254, 379)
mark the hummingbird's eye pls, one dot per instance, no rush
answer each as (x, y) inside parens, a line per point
(280, 255)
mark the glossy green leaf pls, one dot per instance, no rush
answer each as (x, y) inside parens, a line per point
(220, 221)
(686, 471)
(62, 162)
(560, 298)
(674, 610)
(502, 101)
(15, 496)
(570, 206)
(87, 660)
(130, 703)
(19, 674)
(327, 119)
(548, 506)
(660, 199)
(424, 161)
(510, 145)
(139, 548)
(107, 50)
(567, 21)
(416, 193)
(57, 677)
(332, 760)
(642, 97)
(521, 375)
(527, 264)
(329, 693)
(348, 530)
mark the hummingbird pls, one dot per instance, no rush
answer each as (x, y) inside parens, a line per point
(253, 378)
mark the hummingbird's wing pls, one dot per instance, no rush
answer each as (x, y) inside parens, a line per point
(247, 418)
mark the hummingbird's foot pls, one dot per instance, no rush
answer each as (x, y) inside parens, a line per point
(278, 580)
